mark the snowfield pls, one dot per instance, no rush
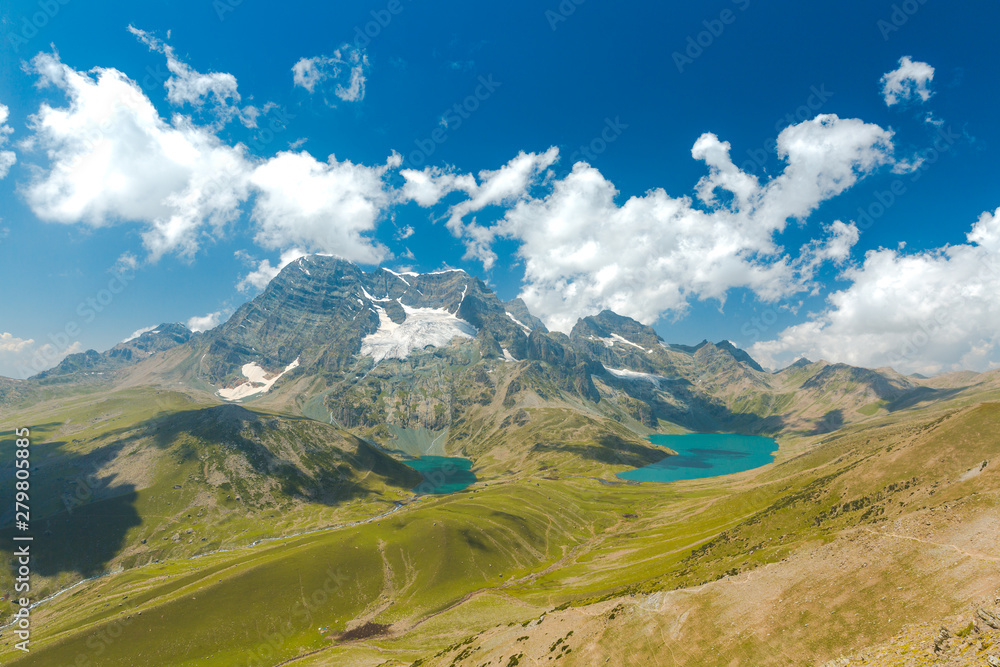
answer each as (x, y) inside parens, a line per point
(625, 374)
(615, 338)
(422, 327)
(257, 382)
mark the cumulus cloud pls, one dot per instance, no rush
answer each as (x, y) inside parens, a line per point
(911, 79)
(345, 69)
(7, 158)
(9, 343)
(205, 322)
(330, 206)
(264, 273)
(112, 158)
(188, 86)
(505, 186)
(653, 254)
(926, 312)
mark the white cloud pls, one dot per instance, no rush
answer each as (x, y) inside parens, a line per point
(24, 357)
(7, 158)
(112, 158)
(188, 86)
(126, 263)
(12, 344)
(429, 186)
(654, 253)
(346, 67)
(205, 322)
(908, 166)
(330, 207)
(926, 312)
(138, 332)
(264, 273)
(506, 185)
(306, 73)
(910, 79)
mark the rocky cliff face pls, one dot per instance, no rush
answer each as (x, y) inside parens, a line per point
(325, 312)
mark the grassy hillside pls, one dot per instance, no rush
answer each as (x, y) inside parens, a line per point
(127, 478)
(849, 537)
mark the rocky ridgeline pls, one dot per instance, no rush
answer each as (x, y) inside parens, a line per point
(124, 354)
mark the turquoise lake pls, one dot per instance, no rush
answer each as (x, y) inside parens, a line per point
(442, 474)
(704, 455)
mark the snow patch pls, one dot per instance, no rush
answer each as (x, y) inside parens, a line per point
(398, 275)
(615, 338)
(371, 298)
(462, 298)
(436, 273)
(422, 327)
(626, 374)
(507, 356)
(257, 381)
(519, 323)
(619, 339)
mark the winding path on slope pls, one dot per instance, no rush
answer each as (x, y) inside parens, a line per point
(970, 554)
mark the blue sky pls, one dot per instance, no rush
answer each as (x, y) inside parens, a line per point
(189, 145)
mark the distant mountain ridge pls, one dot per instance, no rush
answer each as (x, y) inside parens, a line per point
(126, 353)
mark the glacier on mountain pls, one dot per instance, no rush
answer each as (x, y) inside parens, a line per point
(422, 327)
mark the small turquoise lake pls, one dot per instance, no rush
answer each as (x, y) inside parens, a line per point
(704, 455)
(442, 474)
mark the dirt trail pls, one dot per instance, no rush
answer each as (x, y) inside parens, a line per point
(977, 556)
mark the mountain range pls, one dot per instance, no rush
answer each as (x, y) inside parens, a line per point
(386, 353)
(185, 477)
